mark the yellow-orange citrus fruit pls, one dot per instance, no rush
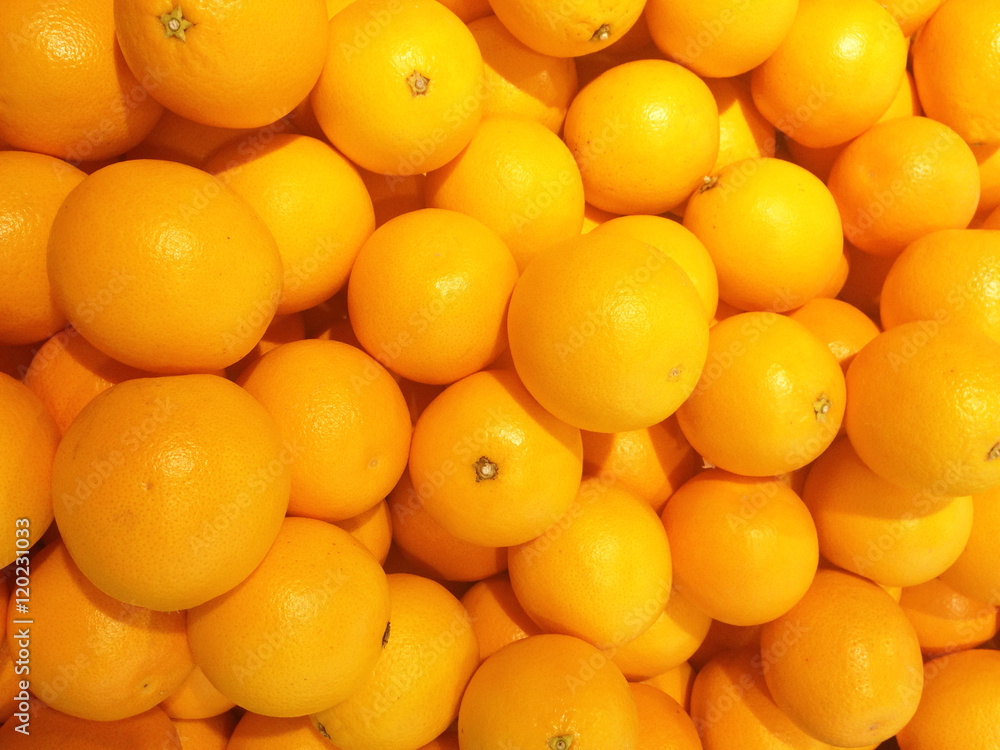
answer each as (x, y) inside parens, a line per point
(468, 10)
(841, 326)
(546, 690)
(677, 683)
(373, 528)
(607, 333)
(169, 491)
(176, 138)
(632, 162)
(578, 28)
(945, 620)
(723, 637)
(279, 642)
(283, 329)
(976, 573)
(201, 53)
(496, 616)
(988, 158)
(402, 88)
(770, 399)
(49, 729)
(343, 419)
(428, 295)
(863, 287)
(923, 405)
(743, 131)
(662, 721)
(205, 734)
(393, 195)
(911, 14)
(196, 698)
(258, 732)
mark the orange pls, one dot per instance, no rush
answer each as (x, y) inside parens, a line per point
(574, 29)
(632, 162)
(162, 267)
(51, 730)
(844, 663)
(521, 82)
(419, 395)
(679, 244)
(724, 637)
(607, 333)
(601, 572)
(66, 90)
(719, 38)
(651, 462)
(329, 321)
(770, 399)
(894, 536)
(923, 406)
(677, 683)
(402, 88)
(333, 7)
(278, 643)
(496, 616)
(196, 698)
(468, 10)
(314, 203)
(836, 282)
(744, 550)
(743, 131)
(373, 528)
(205, 734)
(428, 295)
(396, 562)
(635, 45)
(955, 64)
(415, 690)
(30, 437)
(67, 372)
(902, 179)
(976, 573)
(225, 66)
(490, 464)
(988, 159)
(594, 217)
(519, 179)
(673, 637)
(835, 72)
(14, 360)
(394, 195)
(842, 327)
(342, 417)
(662, 721)
(945, 620)
(445, 741)
(282, 329)
(950, 276)
(31, 191)
(169, 491)
(257, 732)
(772, 230)
(960, 705)
(992, 220)
(432, 550)
(548, 691)
(176, 138)
(863, 287)
(93, 656)
(911, 14)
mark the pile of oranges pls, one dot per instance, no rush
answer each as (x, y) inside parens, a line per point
(507, 375)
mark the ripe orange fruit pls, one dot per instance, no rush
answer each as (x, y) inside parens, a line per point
(923, 404)
(863, 286)
(902, 179)
(548, 691)
(679, 244)
(519, 179)
(205, 734)
(911, 14)
(402, 89)
(844, 663)
(283, 329)
(871, 527)
(960, 704)
(841, 326)
(343, 419)
(66, 90)
(949, 276)
(400, 707)
(835, 72)
(772, 230)
(955, 64)
(67, 372)
(743, 131)
(976, 572)
(945, 620)
(314, 203)
(257, 732)
(31, 191)
(92, 656)
(176, 138)
(428, 295)
(468, 10)
(393, 195)
(49, 729)
(278, 643)
(496, 616)
(662, 721)
(651, 462)
(373, 528)
(430, 548)
(162, 267)
(770, 399)
(719, 38)
(200, 54)
(607, 333)
(724, 637)
(169, 491)
(677, 683)
(578, 28)
(30, 437)
(633, 163)
(988, 158)
(601, 572)
(520, 81)
(490, 464)
(196, 698)
(744, 550)
(15, 359)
